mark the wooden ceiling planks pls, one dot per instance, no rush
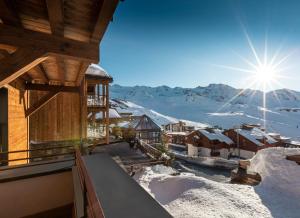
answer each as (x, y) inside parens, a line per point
(50, 25)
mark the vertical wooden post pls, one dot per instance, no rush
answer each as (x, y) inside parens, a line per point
(104, 103)
(107, 112)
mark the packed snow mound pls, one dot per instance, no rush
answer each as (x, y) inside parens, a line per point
(277, 172)
(186, 195)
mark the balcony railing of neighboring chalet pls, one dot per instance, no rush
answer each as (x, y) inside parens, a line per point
(38, 154)
(96, 100)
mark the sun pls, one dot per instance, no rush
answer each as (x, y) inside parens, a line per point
(265, 73)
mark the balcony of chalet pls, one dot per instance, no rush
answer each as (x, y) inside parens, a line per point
(48, 88)
(80, 185)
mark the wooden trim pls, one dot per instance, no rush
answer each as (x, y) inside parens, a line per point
(105, 15)
(50, 44)
(52, 88)
(44, 100)
(56, 16)
(78, 193)
(19, 63)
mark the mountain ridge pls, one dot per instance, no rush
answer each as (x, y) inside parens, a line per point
(220, 105)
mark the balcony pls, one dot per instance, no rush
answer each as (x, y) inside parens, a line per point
(74, 186)
(96, 100)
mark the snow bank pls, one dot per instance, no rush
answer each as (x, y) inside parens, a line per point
(187, 195)
(277, 172)
(190, 196)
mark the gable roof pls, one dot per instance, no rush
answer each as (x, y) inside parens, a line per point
(254, 135)
(143, 123)
(215, 134)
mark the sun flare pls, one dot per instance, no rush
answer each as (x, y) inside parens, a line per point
(265, 73)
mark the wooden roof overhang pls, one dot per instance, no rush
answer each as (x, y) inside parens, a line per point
(51, 42)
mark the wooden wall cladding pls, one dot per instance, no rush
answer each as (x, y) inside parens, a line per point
(17, 124)
(58, 120)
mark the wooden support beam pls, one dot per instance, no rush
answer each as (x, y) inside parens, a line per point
(44, 100)
(56, 16)
(82, 69)
(3, 53)
(50, 44)
(107, 112)
(27, 77)
(19, 63)
(61, 69)
(56, 19)
(8, 13)
(105, 15)
(42, 72)
(51, 88)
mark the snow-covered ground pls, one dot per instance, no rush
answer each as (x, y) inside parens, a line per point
(217, 105)
(137, 110)
(187, 195)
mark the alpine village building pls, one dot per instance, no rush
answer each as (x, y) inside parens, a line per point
(208, 142)
(145, 129)
(46, 95)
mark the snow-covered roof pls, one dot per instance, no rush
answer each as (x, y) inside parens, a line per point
(215, 134)
(113, 114)
(177, 133)
(255, 134)
(95, 71)
(143, 123)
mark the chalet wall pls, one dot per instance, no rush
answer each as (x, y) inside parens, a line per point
(59, 119)
(34, 195)
(17, 124)
(192, 150)
(205, 152)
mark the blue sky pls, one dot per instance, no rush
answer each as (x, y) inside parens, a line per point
(184, 43)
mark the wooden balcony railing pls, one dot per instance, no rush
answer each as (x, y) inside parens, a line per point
(96, 100)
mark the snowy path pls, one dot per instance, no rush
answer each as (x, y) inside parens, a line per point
(187, 195)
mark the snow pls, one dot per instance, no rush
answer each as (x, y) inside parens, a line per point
(186, 195)
(177, 133)
(216, 135)
(277, 172)
(123, 106)
(213, 106)
(96, 70)
(112, 114)
(254, 135)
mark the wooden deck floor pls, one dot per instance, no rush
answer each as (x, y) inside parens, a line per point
(127, 158)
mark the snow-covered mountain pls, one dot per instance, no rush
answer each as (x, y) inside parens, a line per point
(219, 104)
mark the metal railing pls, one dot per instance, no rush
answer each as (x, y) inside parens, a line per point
(38, 154)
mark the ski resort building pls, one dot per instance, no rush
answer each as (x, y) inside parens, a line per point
(249, 140)
(97, 82)
(145, 129)
(46, 47)
(178, 127)
(208, 142)
(176, 137)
